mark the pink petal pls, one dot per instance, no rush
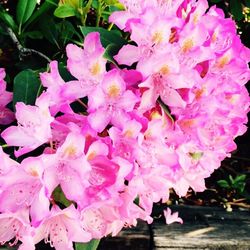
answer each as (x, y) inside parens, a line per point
(128, 54)
(99, 120)
(171, 218)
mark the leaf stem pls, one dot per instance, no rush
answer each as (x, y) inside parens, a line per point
(23, 52)
(82, 103)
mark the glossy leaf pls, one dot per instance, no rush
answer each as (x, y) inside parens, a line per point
(49, 30)
(7, 19)
(64, 11)
(107, 37)
(66, 31)
(26, 87)
(24, 10)
(110, 52)
(44, 8)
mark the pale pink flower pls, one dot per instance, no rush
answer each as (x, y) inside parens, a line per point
(110, 102)
(33, 128)
(61, 228)
(171, 217)
(6, 115)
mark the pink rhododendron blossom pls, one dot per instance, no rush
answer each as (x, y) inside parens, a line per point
(113, 141)
(172, 217)
(87, 65)
(110, 102)
(60, 228)
(33, 127)
(15, 227)
(6, 115)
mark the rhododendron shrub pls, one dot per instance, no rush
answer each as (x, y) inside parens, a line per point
(167, 122)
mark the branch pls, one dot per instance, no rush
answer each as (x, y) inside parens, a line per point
(23, 52)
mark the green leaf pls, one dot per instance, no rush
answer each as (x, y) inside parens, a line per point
(44, 8)
(92, 245)
(223, 184)
(34, 34)
(107, 37)
(26, 87)
(60, 197)
(24, 10)
(66, 31)
(49, 30)
(247, 3)
(236, 9)
(64, 11)
(7, 19)
(166, 110)
(110, 52)
(240, 178)
(231, 179)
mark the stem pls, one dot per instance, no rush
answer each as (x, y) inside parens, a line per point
(99, 13)
(5, 146)
(85, 12)
(82, 103)
(22, 50)
(110, 26)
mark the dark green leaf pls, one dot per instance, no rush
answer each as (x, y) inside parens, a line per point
(60, 197)
(26, 87)
(110, 52)
(247, 3)
(49, 30)
(64, 73)
(236, 9)
(8, 20)
(107, 37)
(34, 34)
(44, 8)
(231, 179)
(66, 31)
(223, 184)
(64, 11)
(240, 178)
(166, 109)
(92, 245)
(24, 10)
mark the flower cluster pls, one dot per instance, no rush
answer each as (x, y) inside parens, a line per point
(166, 123)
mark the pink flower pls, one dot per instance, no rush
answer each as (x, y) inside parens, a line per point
(23, 187)
(6, 115)
(54, 92)
(6, 163)
(16, 226)
(60, 228)
(68, 165)
(110, 102)
(171, 218)
(87, 65)
(33, 128)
